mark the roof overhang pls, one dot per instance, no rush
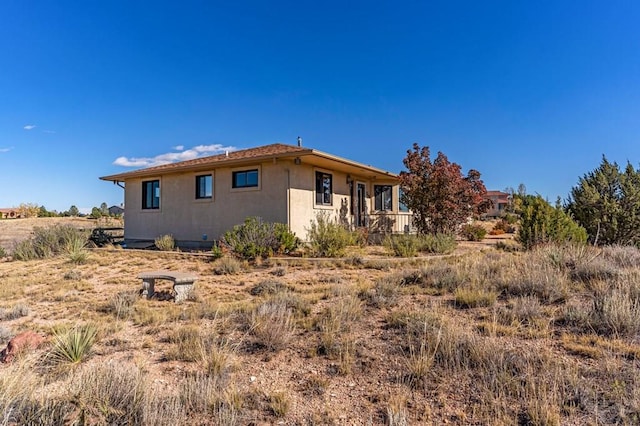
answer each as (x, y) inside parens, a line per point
(303, 156)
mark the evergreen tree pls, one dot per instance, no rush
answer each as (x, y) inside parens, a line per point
(542, 223)
(606, 202)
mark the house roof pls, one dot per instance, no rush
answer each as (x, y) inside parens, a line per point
(500, 193)
(253, 155)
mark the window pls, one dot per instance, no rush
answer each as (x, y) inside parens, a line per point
(151, 194)
(401, 206)
(324, 189)
(245, 179)
(204, 186)
(383, 197)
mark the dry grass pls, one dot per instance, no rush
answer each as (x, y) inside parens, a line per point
(545, 338)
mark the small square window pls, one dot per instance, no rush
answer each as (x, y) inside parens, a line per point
(383, 197)
(245, 179)
(204, 186)
(151, 194)
(324, 189)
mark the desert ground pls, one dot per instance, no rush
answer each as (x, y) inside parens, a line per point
(478, 337)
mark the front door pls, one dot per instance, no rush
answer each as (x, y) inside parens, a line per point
(360, 213)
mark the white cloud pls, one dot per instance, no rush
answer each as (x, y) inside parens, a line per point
(6, 149)
(179, 147)
(172, 157)
(30, 127)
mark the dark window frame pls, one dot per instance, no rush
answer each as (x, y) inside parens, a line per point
(324, 189)
(382, 203)
(151, 201)
(244, 175)
(201, 190)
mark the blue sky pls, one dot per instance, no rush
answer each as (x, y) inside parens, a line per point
(524, 92)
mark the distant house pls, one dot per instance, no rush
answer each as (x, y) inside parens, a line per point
(10, 213)
(196, 201)
(116, 211)
(500, 201)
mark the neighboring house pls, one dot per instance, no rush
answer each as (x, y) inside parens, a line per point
(499, 203)
(116, 211)
(10, 214)
(196, 201)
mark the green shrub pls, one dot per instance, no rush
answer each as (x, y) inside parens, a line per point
(49, 242)
(216, 252)
(402, 245)
(165, 243)
(327, 238)
(542, 223)
(438, 243)
(256, 238)
(3, 252)
(473, 232)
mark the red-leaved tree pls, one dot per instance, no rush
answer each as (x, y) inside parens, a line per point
(438, 194)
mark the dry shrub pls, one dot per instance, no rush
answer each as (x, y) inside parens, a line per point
(19, 402)
(165, 243)
(121, 305)
(385, 292)
(163, 410)
(616, 313)
(473, 297)
(187, 345)
(268, 287)
(397, 413)
(531, 275)
(419, 363)
(280, 271)
(218, 359)
(111, 393)
(279, 403)
(334, 324)
(314, 386)
(622, 256)
(442, 276)
(227, 265)
(272, 325)
(199, 394)
(19, 310)
(146, 315)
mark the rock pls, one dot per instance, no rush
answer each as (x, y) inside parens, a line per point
(23, 342)
(253, 379)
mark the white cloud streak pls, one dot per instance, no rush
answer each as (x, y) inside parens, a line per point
(172, 157)
(30, 127)
(6, 149)
(179, 147)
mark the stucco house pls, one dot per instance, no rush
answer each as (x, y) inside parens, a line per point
(499, 203)
(196, 201)
(12, 213)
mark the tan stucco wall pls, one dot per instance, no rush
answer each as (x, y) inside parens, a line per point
(188, 219)
(286, 194)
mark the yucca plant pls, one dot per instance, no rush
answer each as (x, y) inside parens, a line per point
(71, 346)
